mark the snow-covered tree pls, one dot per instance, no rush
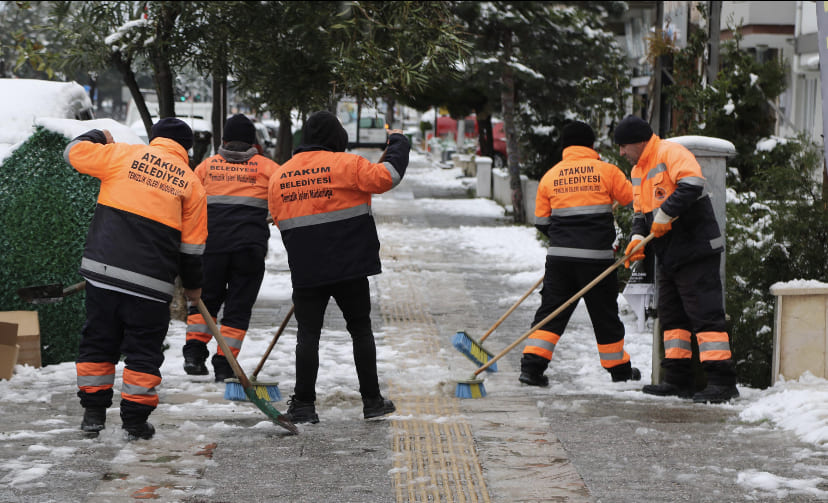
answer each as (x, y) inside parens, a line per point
(541, 64)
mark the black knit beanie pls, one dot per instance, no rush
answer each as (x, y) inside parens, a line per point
(577, 133)
(632, 130)
(324, 129)
(174, 129)
(239, 128)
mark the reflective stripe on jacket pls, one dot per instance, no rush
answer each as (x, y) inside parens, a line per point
(573, 205)
(236, 201)
(150, 223)
(321, 201)
(668, 177)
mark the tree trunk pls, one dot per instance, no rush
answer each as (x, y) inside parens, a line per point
(485, 136)
(219, 106)
(125, 69)
(160, 58)
(163, 78)
(507, 97)
(389, 112)
(284, 145)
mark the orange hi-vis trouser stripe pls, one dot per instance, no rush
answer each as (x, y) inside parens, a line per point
(198, 330)
(542, 343)
(677, 344)
(95, 376)
(713, 346)
(140, 388)
(613, 354)
(234, 338)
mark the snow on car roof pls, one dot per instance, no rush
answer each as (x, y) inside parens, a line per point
(24, 101)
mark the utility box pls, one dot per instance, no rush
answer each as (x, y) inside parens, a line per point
(800, 334)
(711, 154)
(28, 335)
(8, 349)
(484, 176)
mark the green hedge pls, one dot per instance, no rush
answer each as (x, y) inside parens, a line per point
(45, 210)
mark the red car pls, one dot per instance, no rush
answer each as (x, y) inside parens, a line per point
(499, 144)
(447, 127)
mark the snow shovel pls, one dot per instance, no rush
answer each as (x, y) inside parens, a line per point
(48, 294)
(249, 389)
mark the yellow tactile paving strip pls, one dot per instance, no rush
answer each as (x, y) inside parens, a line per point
(433, 460)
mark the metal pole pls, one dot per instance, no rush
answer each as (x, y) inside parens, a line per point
(713, 38)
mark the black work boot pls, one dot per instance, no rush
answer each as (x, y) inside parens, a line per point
(624, 372)
(716, 393)
(94, 420)
(301, 412)
(532, 368)
(667, 389)
(195, 354)
(222, 368)
(534, 379)
(721, 382)
(142, 431)
(376, 407)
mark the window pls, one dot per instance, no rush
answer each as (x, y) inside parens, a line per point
(807, 87)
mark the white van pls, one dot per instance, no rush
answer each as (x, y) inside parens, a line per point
(373, 131)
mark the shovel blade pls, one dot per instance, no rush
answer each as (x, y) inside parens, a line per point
(41, 294)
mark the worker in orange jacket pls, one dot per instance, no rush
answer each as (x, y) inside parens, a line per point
(236, 181)
(667, 184)
(149, 226)
(321, 201)
(573, 207)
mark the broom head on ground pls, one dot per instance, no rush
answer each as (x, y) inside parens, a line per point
(470, 388)
(473, 350)
(233, 390)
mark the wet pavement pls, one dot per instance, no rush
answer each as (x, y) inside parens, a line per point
(564, 443)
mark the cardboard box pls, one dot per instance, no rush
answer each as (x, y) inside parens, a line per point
(8, 349)
(28, 335)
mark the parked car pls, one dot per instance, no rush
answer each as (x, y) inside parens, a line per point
(265, 140)
(373, 131)
(202, 136)
(24, 100)
(447, 127)
(499, 145)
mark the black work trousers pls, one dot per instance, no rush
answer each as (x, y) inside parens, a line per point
(354, 300)
(562, 280)
(232, 279)
(118, 323)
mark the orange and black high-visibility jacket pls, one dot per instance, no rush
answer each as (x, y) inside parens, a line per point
(573, 206)
(668, 177)
(150, 223)
(236, 184)
(321, 201)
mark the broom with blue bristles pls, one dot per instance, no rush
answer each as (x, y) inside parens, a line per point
(473, 349)
(233, 389)
(473, 387)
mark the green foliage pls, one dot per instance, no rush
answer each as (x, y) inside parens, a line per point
(735, 106)
(45, 210)
(394, 48)
(776, 233)
(777, 224)
(565, 63)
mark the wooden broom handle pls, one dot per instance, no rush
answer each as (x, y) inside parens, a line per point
(507, 313)
(520, 300)
(566, 304)
(208, 319)
(273, 342)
